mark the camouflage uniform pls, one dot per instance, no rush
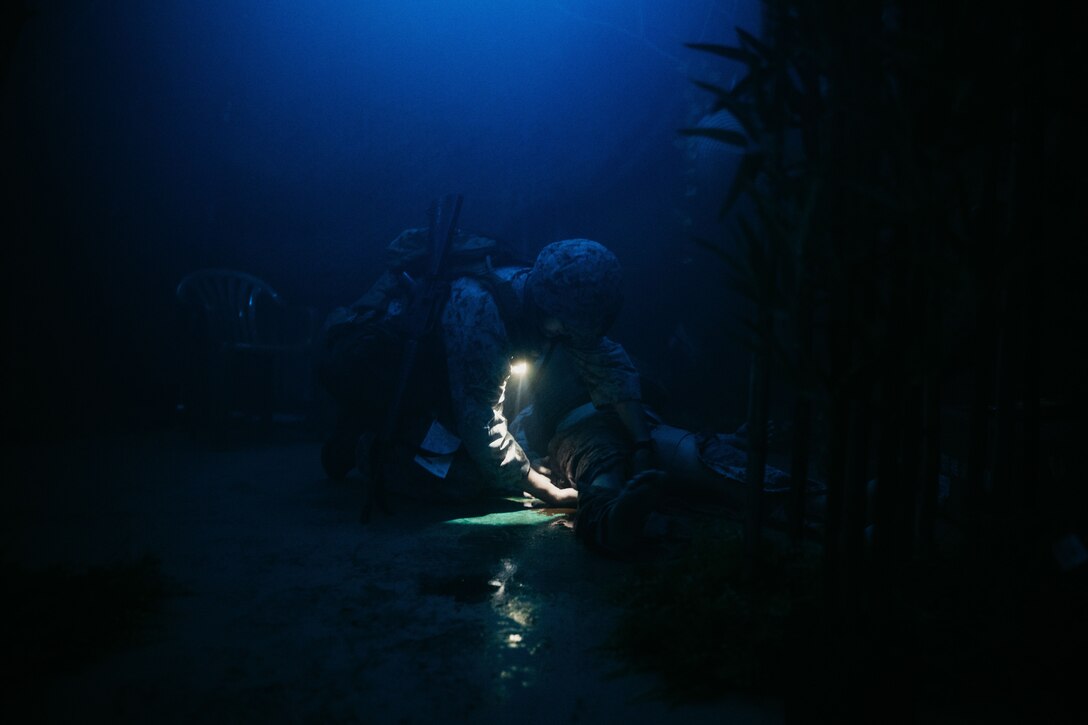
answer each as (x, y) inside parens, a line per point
(479, 349)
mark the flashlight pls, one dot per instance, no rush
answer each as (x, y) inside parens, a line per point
(518, 368)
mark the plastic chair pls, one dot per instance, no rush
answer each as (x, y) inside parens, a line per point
(250, 352)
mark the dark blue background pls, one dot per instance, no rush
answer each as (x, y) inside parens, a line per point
(293, 140)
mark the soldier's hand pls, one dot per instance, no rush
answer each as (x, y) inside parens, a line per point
(542, 487)
(644, 459)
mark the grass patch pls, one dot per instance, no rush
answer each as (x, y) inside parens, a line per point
(690, 620)
(61, 618)
(966, 638)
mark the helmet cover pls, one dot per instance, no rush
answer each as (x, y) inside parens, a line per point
(579, 282)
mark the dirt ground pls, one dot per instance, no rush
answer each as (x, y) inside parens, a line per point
(277, 605)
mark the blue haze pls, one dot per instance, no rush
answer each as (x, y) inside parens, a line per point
(292, 140)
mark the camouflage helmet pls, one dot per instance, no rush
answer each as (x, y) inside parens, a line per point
(577, 281)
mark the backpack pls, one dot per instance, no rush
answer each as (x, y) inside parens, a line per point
(363, 343)
(406, 260)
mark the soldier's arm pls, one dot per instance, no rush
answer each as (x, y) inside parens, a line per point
(477, 352)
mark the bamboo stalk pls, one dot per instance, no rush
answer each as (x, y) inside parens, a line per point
(802, 409)
(853, 538)
(1032, 425)
(758, 403)
(799, 459)
(910, 461)
(1005, 378)
(838, 438)
(982, 366)
(931, 465)
(888, 480)
(838, 441)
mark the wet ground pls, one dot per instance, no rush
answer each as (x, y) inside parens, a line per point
(277, 605)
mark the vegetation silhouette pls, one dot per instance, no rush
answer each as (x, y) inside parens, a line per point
(907, 179)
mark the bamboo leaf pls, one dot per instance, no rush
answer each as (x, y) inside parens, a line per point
(735, 265)
(733, 138)
(741, 340)
(772, 222)
(710, 246)
(726, 51)
(756, 257)
(744, 286)
(810, 194)
(726, 100)
(741, 282)
(744, 180)
(744, 86)
(755, 44)
(711, 88)
(884, 198)
(786, 361)
(796, 99)
(739, 275)
(759, 338)
(788, 275)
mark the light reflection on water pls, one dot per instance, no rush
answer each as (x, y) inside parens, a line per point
(514, 636)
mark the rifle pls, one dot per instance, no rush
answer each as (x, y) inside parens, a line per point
(419, 319)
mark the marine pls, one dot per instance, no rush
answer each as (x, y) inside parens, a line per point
(454, 441)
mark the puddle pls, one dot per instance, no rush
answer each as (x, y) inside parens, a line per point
(471, 588)
(512, 645)
(514, 642)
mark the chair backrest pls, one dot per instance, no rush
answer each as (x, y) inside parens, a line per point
(229, 300)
